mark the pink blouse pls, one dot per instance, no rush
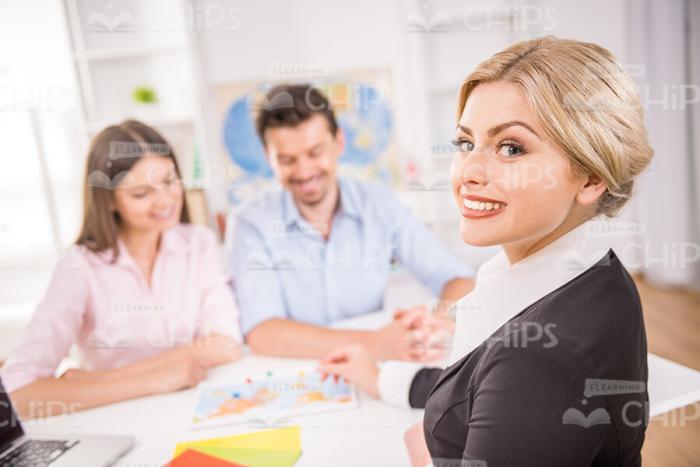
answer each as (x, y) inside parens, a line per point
(112, 316)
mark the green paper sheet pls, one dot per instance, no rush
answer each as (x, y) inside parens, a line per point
(252, 457)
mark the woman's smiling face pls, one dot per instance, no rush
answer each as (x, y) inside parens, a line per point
(513, 187)
(150, 197)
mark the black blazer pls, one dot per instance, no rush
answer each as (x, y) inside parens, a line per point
(525, 397)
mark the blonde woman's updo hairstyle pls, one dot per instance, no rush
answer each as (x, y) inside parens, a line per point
(586, 103)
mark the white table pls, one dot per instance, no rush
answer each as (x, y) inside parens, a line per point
(370, 435)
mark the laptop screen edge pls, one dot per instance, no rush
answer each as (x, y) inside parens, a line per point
(10, 427)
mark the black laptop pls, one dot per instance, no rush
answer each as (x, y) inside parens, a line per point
(18, 448)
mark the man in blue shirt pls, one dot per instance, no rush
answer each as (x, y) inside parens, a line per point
(321, 248)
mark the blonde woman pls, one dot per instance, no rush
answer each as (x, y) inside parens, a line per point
(548, 363)
(141, 295)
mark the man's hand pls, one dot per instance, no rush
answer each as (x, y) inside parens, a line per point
(356, 365)
(214, 349)
(390, 342)
(398, 341)
(429, 333)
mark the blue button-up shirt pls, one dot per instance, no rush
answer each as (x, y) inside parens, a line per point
(284, 268)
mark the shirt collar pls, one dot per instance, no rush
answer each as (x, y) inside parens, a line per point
(486, 308)
(290, 212)
(348, 203)
(172, 241)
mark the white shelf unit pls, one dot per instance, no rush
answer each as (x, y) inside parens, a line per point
(120, 46)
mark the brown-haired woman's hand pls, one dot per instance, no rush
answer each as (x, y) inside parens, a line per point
(183, 372)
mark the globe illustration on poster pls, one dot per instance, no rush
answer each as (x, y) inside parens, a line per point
(361, 111)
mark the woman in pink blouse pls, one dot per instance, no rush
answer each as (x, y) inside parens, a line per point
(141, 295)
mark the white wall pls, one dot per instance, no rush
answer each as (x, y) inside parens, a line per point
(334, 36)
(426, 66)
(243, 46)
(36, 76)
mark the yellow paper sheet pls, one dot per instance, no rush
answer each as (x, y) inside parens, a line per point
(282, 439)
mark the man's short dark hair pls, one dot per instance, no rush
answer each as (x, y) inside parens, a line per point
(289, 105)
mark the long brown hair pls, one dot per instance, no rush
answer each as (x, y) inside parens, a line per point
(113, 152)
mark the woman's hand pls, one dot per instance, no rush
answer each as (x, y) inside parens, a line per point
(183, 371)
(417, 449)
(356, 365)
(76, 374)
(179, 371)
(172, 369)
